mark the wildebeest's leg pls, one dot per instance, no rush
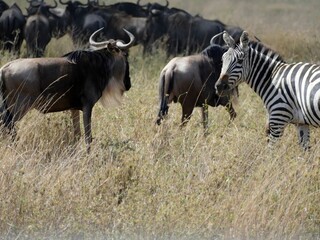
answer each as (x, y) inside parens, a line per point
(76, 124)
(20, 107)
(303, 135)
(187, 109)
(7, 119)
(87, 111)
(205, 115)
(231, 111)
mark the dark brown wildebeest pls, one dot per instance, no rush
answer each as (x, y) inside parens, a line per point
(74, 82)
(38, 30)
(84, 19)
(182, 33)
(190, 80)
(12, 23)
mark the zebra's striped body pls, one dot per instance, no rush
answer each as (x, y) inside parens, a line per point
(290, 92)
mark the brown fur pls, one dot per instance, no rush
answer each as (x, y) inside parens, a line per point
(74, 82)
(190, 81)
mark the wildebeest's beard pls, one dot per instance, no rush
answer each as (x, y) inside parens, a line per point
(110, 70)
(99, 64)
(127, 80)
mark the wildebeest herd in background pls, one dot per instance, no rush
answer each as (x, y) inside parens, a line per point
(100, 68)
(179, 31)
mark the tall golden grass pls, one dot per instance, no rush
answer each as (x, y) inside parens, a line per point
(143, 181)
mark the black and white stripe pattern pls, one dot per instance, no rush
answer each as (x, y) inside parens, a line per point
(290, 92)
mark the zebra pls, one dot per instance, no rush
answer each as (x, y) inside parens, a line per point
(290, 91)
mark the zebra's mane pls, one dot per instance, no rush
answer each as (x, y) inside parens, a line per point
(264, 50)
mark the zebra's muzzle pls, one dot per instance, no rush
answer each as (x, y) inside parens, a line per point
(222, 86)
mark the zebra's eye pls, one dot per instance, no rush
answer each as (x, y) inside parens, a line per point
(240, 60)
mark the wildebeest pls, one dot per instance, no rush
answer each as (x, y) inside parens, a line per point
(81, 20)
(188, 35)
(157, 6)
(190, 80)
(57, 19)
(117, 21)
(39, 30)
(12, 23)
(133, 9)
(74, 82)
(182, 33)
(84, 19)
(158, 23)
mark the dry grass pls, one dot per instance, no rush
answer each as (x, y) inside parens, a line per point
(143, 181)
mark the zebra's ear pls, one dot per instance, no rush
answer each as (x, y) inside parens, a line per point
(244, 41)
(228, 40)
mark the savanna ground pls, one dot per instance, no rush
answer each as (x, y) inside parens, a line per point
(143, 181)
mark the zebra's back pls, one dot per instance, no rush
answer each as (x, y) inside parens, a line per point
(299, 84)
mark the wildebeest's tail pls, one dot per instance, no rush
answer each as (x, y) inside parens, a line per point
(5, 115)
(165, 88)
(2, 103)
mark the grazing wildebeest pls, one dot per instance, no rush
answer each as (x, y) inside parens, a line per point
(74, 82)
(190, 80)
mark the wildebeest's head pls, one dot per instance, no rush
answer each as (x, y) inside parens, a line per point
(118, 63)
(107, 63)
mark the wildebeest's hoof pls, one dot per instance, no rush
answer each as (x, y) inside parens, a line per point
(158, 122)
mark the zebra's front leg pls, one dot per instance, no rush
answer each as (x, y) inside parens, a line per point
(303, 135)
(275, 133)
(231, 111)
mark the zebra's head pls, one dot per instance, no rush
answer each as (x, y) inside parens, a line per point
(233, 64)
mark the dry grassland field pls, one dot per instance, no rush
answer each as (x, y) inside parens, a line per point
(143, 181)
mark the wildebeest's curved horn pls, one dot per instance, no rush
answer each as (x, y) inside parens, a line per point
(64, 3)
(122, 45)
(119, 43)
(32, 1)
(97, 44)
(212, 40)
(167, 3)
